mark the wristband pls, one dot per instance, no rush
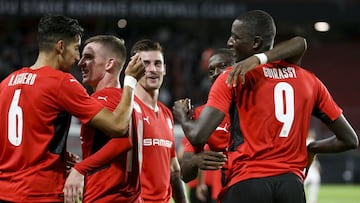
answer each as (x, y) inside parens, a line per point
(262, 58)
(130, 81)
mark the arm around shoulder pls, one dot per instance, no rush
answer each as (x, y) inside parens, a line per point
(291, 50)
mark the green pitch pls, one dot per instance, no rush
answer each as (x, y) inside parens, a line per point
(339, 194)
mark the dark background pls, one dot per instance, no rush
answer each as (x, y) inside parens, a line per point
(186, 29)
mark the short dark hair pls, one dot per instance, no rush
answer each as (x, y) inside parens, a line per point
(228, 53)
(115, 45)
(259, 23)
(146, 45)
(53, 28)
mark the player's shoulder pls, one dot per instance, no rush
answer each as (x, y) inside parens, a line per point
(163, 106)
(224, 74)
(166, 110)
(110, 91)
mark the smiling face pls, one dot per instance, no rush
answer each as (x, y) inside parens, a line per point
(154, 70)
(241, 41)
(92, 64)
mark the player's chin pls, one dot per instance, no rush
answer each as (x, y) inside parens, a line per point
(85, 79)
(153, 84)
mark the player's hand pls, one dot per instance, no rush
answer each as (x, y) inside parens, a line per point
(201, 192)
(70, 160)
(210, 160)
(135, 67)
(74, 186)
(182, 109)
(190, 109)
(240, 69)
(310, 159)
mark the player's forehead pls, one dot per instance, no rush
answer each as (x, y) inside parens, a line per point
(152, 56)
(92, 48)
(239, 29)
(219, 59)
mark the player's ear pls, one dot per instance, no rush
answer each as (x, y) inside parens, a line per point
(60, 46)
(164, 69)
(110, 64)
(258, 41)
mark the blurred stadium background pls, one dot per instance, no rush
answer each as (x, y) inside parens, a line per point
(188, 29)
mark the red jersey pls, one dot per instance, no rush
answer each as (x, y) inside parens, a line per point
(218, 141)
(275, 106)
(158, 150)
(36, 106)
(105, 160)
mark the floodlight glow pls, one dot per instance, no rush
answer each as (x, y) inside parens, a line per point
(322, 26)
(122, 23)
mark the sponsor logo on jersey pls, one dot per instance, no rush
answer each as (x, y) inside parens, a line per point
(102, 98)
(222, 128)
(157, 142)
(147, 119)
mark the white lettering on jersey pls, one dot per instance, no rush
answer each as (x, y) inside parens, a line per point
(279, 73)
(22, 79)
(157, 142)
(73, 80)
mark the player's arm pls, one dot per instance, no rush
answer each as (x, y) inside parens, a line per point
(291, 51)
(115, 124)
(197, 131)
(201, 188)
(189, 168)
(344, 139)
(112, 149)
(177, 185)
(205, 160)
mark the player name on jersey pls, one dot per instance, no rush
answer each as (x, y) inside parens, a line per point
(22, 79)
(279, 73)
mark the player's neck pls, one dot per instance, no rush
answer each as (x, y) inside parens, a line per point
(45, 60)
(106, 82)
(150, 98)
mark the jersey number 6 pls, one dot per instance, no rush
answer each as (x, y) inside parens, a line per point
(15, 120)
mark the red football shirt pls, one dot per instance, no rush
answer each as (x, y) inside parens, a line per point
(218, 141)
(275, 106)
(36, 108)
(158, 150)
(105, 160)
